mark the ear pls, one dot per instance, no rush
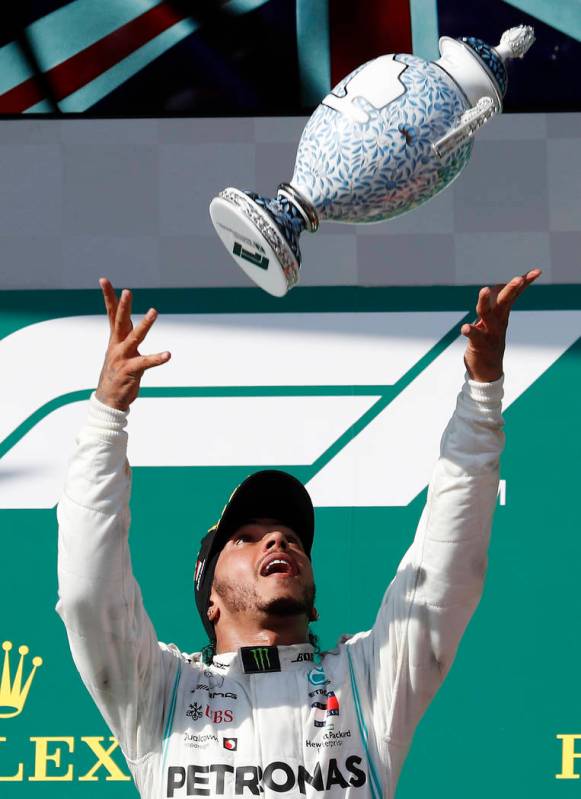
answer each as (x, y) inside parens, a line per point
(213, 611)
(314, 615)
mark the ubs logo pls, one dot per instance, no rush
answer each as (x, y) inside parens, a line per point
(196, 711)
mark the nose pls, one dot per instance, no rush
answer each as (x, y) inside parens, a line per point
(276, 539)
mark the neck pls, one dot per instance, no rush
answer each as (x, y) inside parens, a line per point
(276, 631)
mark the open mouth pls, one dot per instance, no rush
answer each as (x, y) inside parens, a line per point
(278, 565)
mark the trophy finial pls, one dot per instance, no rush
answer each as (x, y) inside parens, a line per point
(516, 42)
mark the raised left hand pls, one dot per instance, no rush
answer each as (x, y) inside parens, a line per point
(487, 336)
(124, 365)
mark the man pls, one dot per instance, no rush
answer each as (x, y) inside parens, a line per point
(266, 714)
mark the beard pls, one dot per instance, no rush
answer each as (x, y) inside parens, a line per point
(243, 599)
(289, 606)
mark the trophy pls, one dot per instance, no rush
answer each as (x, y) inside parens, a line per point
(391, 135)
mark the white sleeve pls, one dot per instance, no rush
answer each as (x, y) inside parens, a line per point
(400, 664)
(112, 640)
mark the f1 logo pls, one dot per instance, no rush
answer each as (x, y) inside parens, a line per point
(373, 392)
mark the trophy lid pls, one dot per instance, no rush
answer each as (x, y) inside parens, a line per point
(491, 60)
(513, 44)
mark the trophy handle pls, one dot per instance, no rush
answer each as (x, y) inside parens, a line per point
(470, 122)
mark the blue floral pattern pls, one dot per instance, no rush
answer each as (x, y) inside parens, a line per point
(491, 59)
(375, 170)
(286, 216)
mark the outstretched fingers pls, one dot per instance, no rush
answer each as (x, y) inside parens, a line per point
(487, 336)
(138, 334)
(474, 333)
(508, 294)
(494, 303)
(123, 368)
(123, 324)
(488, 301)
(110, 300)
(141, 363)
(516, 286)
(484, 302)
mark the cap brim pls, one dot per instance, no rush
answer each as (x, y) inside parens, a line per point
(270, 494)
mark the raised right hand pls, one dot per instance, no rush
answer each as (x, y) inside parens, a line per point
(486, 337)
(124, 366)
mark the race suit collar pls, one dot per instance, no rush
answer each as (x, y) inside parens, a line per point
(264, 659)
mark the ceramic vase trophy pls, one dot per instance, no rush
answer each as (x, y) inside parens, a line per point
(390, 136)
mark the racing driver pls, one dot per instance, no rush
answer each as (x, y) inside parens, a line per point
(264, 713)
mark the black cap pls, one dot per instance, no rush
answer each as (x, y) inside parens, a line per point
(269, 494)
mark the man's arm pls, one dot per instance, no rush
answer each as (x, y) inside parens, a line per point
(111, 637)
(405, 657)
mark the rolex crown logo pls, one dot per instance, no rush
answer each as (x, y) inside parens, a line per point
(13, 693)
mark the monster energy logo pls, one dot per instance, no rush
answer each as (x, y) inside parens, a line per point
(260, 659)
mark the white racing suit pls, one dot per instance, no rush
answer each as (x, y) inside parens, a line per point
(274, 721)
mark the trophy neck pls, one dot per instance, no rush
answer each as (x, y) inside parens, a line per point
(302, 205)
(288, 222)
(468, 71)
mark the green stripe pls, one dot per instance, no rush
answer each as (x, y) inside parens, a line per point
(172, 707)
(190, 391)
(19, 309)
(386, 393)
(389, 396)
(38, 415)
(169, 722)
(375, 783)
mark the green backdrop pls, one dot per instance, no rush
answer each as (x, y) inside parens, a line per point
(491, 729)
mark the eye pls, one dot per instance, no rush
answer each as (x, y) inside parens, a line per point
(243, 538)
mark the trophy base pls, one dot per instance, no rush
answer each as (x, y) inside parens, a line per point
(254, 241)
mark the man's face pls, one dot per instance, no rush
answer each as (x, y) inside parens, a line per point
(263, 569)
